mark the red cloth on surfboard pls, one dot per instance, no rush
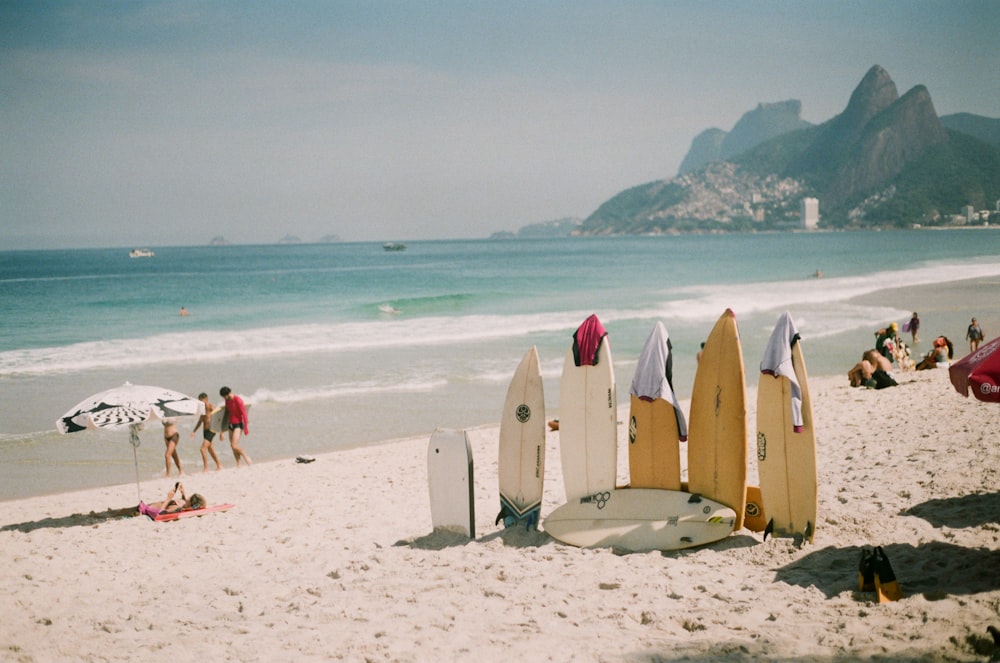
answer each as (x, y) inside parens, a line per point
(980, 372)
(587, 341)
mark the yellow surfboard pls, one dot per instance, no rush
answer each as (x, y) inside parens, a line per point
(786, 460)
(656, 425)
(717, 427)
(654, 453)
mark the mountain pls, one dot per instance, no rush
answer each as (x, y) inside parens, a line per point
(557, 228)
(986, 129)
(886, 160)
(764, 122)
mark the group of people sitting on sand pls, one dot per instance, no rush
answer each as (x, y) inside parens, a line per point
(875, 368)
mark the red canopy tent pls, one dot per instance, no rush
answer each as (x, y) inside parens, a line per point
(980, 372)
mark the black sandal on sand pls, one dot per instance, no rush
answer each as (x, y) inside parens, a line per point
(886, 586)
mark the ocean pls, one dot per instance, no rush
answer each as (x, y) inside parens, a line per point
(302, 332)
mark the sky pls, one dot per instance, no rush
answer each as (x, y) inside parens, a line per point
(168, 123)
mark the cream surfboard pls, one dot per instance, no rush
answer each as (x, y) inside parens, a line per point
(588, 435)
(638, 519)
(217, 423)
(717, 427)
(450, 478)
(786, 459)
(521, 461)
(656, 424)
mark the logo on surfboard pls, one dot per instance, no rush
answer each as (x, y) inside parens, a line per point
(523, 413)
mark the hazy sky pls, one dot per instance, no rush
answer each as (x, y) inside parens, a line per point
(167, 123)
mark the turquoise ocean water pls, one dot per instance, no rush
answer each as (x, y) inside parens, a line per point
(298, 330)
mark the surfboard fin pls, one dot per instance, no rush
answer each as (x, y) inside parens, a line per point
(694, 499)
(769, 529)
(886, 586)
(809, 531)
(866, 571)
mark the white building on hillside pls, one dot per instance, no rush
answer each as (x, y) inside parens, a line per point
(810, 213)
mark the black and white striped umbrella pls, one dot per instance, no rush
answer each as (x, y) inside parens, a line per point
(129, 405)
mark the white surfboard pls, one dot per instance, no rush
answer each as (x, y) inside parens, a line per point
(639, 519)
(217, 423)
(450, 478)
(521, 461)
(786, 459)
(588, 437)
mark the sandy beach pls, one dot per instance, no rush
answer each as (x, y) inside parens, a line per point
(336, 560)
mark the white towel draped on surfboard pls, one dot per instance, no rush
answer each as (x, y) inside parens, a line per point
(777, 361)
(653, 374)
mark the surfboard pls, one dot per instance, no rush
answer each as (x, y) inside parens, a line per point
(521, 460)
(588, 436)
(177, 515)
(216, 423)
(786, 460)
(717, 427)
(639, 519)
(754, 516)
(449, 476)
(656, 424)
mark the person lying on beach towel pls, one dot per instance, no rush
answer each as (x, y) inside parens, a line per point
(171, 505)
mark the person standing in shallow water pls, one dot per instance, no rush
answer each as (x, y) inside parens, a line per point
(914, 326)
(238, 424)
(171, 438)
(204, 421)
(974, 335)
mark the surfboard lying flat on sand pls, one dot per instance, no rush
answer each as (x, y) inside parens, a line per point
(449, 476)
(786, 440)
(521, 462)
(656, 423)
(588, 436)
(639, 519)
(717, 428)
(177, 515)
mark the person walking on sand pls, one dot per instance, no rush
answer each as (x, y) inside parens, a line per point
(974, 335)
(914, 325)
(207, 434)
(170, 438)
(239, 424)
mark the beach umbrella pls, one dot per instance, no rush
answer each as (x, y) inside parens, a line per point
(128, 406)
(979, 373)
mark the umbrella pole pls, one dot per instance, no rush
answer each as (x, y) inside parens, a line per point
(133, 437)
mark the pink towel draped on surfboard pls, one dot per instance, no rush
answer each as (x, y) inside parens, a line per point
(777, 361)
(587, 341)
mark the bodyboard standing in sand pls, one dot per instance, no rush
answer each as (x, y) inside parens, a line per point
(656, 423)
(188, 513)
(588, 436)
(786, 439)
(639, 519)
(717, 427)
(449, 476)
(521, 461)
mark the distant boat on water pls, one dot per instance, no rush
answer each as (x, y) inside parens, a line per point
(394, 246)
(140, 253)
